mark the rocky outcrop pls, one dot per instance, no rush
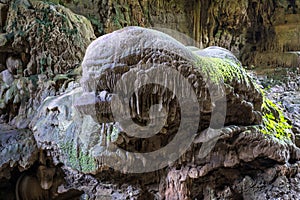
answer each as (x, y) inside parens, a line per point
(284, 89)
(42, 46)
(107, 156)
(78, 128)
(133, 47)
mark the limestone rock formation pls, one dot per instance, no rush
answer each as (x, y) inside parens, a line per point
(18, 148)
(261, 33)
(132, 47)
(42, 46)
(246, 149)
(79, 130)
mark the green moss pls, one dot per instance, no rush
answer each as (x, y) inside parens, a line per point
(274, 122)
(217, 69)
(121, 18)
(98, 26)
(78, 159)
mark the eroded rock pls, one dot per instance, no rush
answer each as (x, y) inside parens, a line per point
(133, 48)
(18, 149)
(79, 129)
(57, 39)
(42, 47)
(14, 65)
(7, 77)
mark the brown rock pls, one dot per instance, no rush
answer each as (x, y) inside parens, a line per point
(3, 39)
(3, 15)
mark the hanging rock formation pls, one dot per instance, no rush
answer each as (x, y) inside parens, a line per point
(80, 130)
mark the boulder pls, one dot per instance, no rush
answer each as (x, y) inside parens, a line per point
(129, 48)
(107, 59)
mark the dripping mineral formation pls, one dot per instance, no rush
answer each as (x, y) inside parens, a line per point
(79, 127)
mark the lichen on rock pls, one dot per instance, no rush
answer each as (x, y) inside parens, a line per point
(274, 122)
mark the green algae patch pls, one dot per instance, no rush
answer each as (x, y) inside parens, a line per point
(78, 159)
(274, 122)
(218, 69)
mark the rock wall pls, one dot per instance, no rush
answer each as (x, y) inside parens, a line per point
(261, 33)
(42, 46)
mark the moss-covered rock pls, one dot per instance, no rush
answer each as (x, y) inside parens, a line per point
(79, 130)
(127, 49)
(274, 122)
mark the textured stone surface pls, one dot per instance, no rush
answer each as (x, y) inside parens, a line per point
(7, 77)
(14, 65)
(132, 47)
(252, 29)
(283, 87)
(244, 164)
(56, 40)
(248, 163)
(18, 149)
(42, 47)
